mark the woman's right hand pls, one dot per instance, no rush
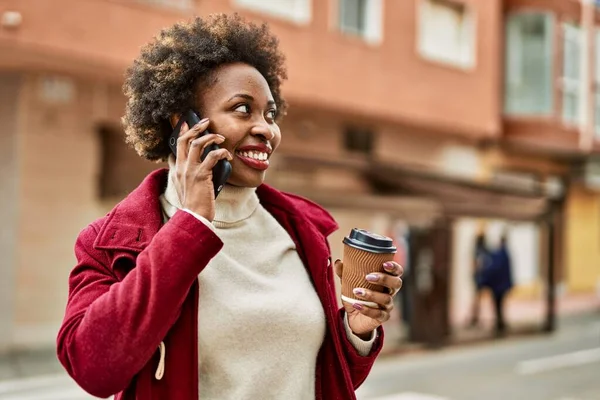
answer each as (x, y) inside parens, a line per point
(193, 177)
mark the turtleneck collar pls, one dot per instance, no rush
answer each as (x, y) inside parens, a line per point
(234, 203)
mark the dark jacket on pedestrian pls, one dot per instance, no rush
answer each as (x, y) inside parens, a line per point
(499, 274)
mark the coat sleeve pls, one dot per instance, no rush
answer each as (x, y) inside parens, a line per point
(111, 328)
(358, 365)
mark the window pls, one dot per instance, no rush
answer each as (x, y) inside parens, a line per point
(571, 73)
(597, 85)
(295, 10)
(182, 4)
(447, 32)
(362, 18)
(529, 49)
(358, 140)
(121, 169)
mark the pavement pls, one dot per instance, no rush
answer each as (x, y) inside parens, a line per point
(525, 317)
(475, 365)
(561, 366)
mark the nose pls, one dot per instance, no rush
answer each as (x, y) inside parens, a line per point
(262, 129)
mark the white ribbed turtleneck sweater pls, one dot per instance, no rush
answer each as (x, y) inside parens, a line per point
(260, 323)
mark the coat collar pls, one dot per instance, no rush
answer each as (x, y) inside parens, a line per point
(133, 222)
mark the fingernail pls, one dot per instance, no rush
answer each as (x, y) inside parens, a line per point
(388, 266)
(184, 126)
(203, 120)
(221, 136)
(372, 278)
(357, 306)
(358, 291)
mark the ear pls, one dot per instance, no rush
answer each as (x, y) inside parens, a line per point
(174, 119)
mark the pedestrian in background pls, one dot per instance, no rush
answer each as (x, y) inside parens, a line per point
(481, 260)
(500, 281)
(179, 296)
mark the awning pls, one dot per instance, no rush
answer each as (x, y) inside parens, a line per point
(401, 190)
(417, 211)
(459, 198)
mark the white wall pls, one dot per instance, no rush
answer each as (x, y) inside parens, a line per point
(461, 281)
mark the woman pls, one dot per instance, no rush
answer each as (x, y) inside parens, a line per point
(178, 296)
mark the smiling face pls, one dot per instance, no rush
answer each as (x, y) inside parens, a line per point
(240, 107)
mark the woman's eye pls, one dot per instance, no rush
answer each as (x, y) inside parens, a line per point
(272, 114)
(243, 108)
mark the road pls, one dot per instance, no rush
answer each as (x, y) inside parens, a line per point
(564, 366)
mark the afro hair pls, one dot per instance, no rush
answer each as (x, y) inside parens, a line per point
(164, 80)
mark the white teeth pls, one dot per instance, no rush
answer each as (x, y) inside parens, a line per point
(256, 155)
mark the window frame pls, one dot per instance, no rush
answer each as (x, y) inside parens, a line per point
(596, 83)
(469, 30)
(170, 4)
(301, 14)
(569, 86)
(554, 38)
(361, 31)
(359, 140)
(372, 32)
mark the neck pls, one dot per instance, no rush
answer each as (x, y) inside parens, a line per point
(234, 203)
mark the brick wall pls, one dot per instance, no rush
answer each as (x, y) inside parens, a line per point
(58, 169)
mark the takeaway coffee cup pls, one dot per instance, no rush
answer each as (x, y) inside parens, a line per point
(364, 252)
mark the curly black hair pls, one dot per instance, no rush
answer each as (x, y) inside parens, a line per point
(165, 78)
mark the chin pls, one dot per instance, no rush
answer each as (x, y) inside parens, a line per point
(247, 181)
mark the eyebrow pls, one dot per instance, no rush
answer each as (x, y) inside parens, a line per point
(250, 98)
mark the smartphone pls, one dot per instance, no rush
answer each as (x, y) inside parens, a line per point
(221, 170)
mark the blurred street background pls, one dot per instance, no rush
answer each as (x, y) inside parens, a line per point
(447, 125)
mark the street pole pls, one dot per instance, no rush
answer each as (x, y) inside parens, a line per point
(550, 323)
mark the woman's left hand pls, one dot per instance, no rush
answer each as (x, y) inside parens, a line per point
(363, 319)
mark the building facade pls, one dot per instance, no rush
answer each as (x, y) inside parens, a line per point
(438, 116)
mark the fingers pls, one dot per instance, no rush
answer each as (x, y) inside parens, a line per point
(214, 157)
(393, 283)
(385, 301)
(393, 268)
(375, 313)
(186, 136)
(198, 145)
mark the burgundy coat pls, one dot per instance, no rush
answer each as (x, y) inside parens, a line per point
(135, 285)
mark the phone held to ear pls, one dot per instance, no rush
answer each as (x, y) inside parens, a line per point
(221, 170)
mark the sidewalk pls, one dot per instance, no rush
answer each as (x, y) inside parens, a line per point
(19, 365)
(524, 318)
